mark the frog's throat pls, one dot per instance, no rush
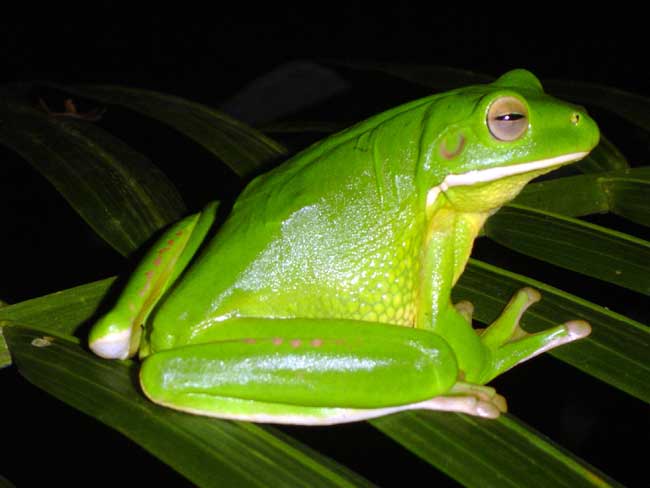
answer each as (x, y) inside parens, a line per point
(492, 174)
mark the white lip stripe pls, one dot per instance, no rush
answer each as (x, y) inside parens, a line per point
(491, 174)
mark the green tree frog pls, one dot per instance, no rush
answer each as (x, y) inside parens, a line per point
(325, 295)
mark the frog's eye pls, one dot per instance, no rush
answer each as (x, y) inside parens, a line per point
(507, 118)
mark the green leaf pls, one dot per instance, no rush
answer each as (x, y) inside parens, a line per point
(59, 313)
(5, 357)
(478, 452)
(605, 157)
(629, 197)
(62, 311)
(116, 190)
(209, 452)
(623, 192)
(617, 351)
(589, 249)
(241, 147)
(571, 195)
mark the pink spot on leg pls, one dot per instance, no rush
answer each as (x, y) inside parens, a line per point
(250, 340)
(296, 342)
(317, 342)
(157, 261)
(277, 341)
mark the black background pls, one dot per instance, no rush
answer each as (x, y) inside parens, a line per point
(207, 54)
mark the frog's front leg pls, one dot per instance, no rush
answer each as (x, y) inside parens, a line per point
(312, 371)
(510, 345)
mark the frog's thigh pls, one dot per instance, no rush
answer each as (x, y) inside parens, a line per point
(324, 372)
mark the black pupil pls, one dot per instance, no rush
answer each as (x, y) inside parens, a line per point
(510, 117)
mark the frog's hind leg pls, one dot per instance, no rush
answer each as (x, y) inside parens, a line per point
(511, 345)
(313, 372)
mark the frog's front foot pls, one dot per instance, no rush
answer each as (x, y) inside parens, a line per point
(511, 345)
(465, 309)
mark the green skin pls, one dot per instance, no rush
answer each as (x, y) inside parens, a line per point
(291, 313)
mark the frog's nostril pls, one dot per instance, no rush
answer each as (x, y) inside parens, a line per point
(575, 118)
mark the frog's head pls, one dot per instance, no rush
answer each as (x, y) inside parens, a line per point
(486, 142)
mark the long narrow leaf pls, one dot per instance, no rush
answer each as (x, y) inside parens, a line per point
(209, 452)
(605, 157)
(589, 249)
(60, 313)
(116, 190)
(241, 147)
(623, 192)
(617, 351)
(572, 195)
(478, 452)
(630, 197)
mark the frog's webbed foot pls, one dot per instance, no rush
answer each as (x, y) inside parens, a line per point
(511, 345)
(468, 398)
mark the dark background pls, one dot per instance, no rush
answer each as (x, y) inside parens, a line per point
(208, 56)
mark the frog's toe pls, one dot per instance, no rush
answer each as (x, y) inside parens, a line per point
(533, 295)
(484, 400)
(577, 329)
(528, 346)
(506, 327)
(500, 402)
(466, 309)
(487, 410)
(468, 404)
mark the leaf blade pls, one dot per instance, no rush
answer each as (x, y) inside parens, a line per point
(479, 452)
(593, 193)
(243, 148)
(116, 190)
(572, 244)
(629, 198)
(209, 452)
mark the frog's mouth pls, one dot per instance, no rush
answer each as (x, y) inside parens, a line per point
(491, 174)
